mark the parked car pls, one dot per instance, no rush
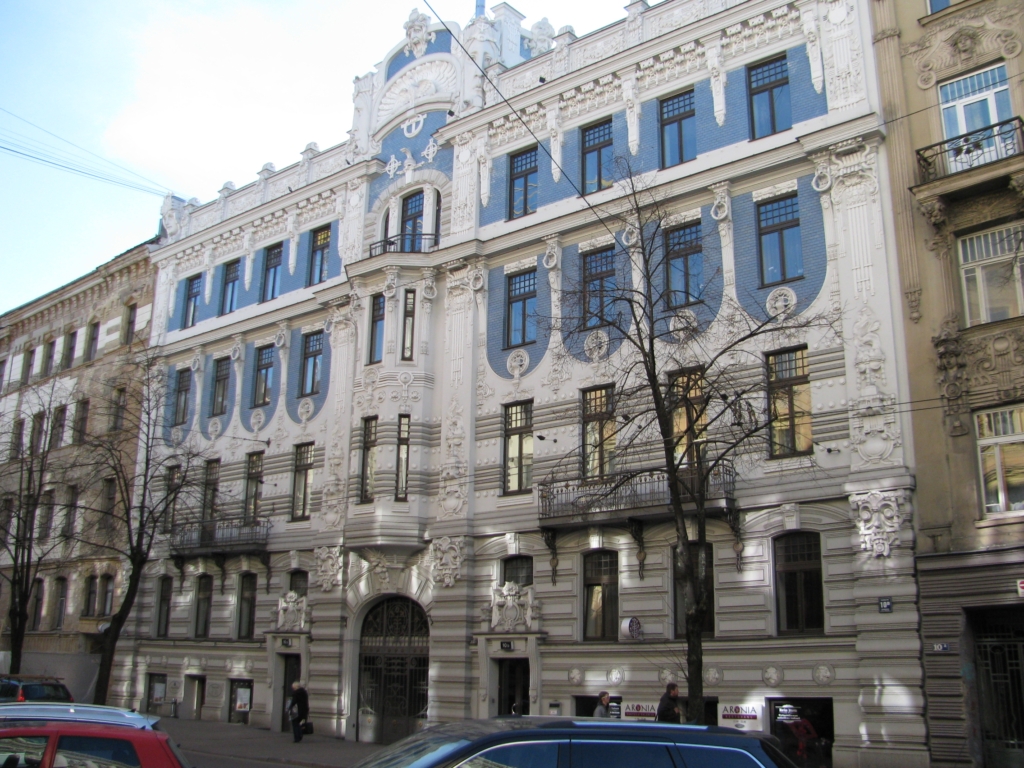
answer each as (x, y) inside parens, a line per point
(550, 742)
(33, 688)
(83, 713)
(60, 744)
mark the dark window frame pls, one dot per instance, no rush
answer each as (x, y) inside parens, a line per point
(263, 380)
(778, 228)
(598, 148)
(39, 596)
(211, 488)
(368, 463)
(408, 324)
(599, 268)
(204, 606)
(520, 305)
(792, 386)
(165, 591)
(375, 351)
(92, 588)
(692, 245)
(591, 415)
(253, 485)
(68, 353)
(319, 255)
(808, 583)
(513, 568)
(229, 291)
(121, 407)
(610, 621)
(767, 86)
(708, 630)
(312, 363)
(131, 316)
(412, 220)
(193, 290)
(61, 607)
(221, 382)
(517, 421)
(49, 358)
(298, 582)
(58, 423)
(28, 362)
(402, 466)
(247, 591)
(520, 171)
(92, 341)
(273, 257)
(81, 427)
(677, 121)
(302, 481)
(182, 391)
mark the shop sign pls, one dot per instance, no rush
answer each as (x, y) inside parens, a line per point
(633, 711)
(1020, 587)
(743, 717)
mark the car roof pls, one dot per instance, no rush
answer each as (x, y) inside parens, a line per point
(78, 728)
(94, 713)
(30, 679)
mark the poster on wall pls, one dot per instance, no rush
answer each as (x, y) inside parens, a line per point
(243, 698)
(159, 692)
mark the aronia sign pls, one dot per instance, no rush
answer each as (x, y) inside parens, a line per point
(639, 711)
(744, 717)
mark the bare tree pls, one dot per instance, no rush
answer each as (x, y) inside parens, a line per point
(690, 396)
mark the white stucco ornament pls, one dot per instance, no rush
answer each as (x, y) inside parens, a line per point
(879, 516)
(328, 567)
(542, 37)
(448, 553)
(712, 675)
(291, 613)
(513, 606)
(772, 676)
(575, 675)
(616, 675)
(823, 674)
(417, 35)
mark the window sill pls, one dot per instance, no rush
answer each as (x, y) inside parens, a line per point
(518, 218)
(509, 347)
(1000, 518)
(299, 523)
(787, 281)
(788, 463)
(525, 498)
(769, 135)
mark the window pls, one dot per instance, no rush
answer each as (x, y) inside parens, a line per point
(412, 223)
(601, 584)
(44, 515)
(92, 341)
(28, 362)
(173, 490)
(678, 130)
(181, 393)
(272, 272)
(131, 316)
(35, 440)
(518, 569)
(934, 6)
(23, 751)
(1001, 455)
(970, 104)
(100, 751)
(70, 512)
(229, 294)
(17, 438)
(538, 754)
(247, 606)
(302, 482)
(57, 423)
(798, 590)
(6, 518)
(164, 590)
(221, 377)
(598, 432)
(408, 323)
(402, 473)
(521, 319)
(298, 582)
(685, 265)
(204, 605)
(769, 98)
(992, 274)
(109, 498)
(318, 260)
(36, 606)
(789, 393)
(49, 357)
(106, 605)
(590, 753)
(211, 487)
(376, 329)
(518, 447)
(369, 464)
(253, 484)
(598, 287)
(121, 404)
(3, 370)
(778, 227)
(192, 290)
(523, 172)
(312, 358)
(68, 354)
(681, 600)
(89, 604)
(61, 586)
(689, 416)
(597, 157)
(263, 387)
(81, 427)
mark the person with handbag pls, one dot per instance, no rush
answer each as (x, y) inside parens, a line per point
(298, 711)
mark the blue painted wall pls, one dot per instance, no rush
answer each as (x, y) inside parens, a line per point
(210, 367)
(246, 390)
(396, 140)
(441, 44)
(292, 397)
(172, 397)
(497, 291)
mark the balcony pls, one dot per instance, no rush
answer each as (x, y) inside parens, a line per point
(225, 536)
(418, 243)
(971, 164)
(643, 495)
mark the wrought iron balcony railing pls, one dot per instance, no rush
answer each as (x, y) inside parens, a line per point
(630, 491)
(419, 243)
(971, 150)
(224, 535)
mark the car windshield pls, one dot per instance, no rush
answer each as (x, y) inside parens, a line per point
(45, 692)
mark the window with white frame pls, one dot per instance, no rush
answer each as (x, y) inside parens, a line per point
(992, 274)
(1001, 458)
(970, 105)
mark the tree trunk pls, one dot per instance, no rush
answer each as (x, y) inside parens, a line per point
(113, 634)
(695, 668)
(17, 641)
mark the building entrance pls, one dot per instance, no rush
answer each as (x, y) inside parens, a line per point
(292, 673)
(513, 686)
(999, 650)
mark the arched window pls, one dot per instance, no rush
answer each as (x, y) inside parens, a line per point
(412, 223)
(89, 604)
(247, 606)
(163, 599)
(106, 606)
(62, 602)
(204, 605)
(298, 582)
(518, 569)
(798, 592)
(601, 595)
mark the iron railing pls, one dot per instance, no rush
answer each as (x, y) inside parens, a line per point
(224, 535)
(630, 491)
(418, 243)
(971, 150)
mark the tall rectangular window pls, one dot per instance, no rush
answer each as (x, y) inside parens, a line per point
(369, 464)
(263, 386)
(58, 422)
(68, 355)
(89, 601)
(121, 405)
(164, 592)
(521, 313)
(689, 415)
(518, 447)
(408, 323)
(221, 378)
(62, 602)
(402, 474)
(173, 482)
(106, 595)
(597, 157)
(599, 287)
(253, 484)
(412, 223)
(50, 357)
(81, 428)
(229, 294)
(211, 488)
(181, 395)
(108, 501)
(131, 317)
(376, 328)
(682, 592)
(272, 272)
(601, 595)
(789, 395)
(193, 287)
(92, 341)
(993, 274)
(798, 589)
(36, 606)
(970, 105)
(3, 370)
(685, 265)
(70, 512)
(778, 229)
(678, 130)
(523, 173)
(769, 98)
(302, 482)
(35, 441)
(17, 438)
(312, 360)
(44, 515)
(1000, 436)
(318, 259)
(247, 606)
(204, 605)
(598, 432)
(298, 582)
(28, 362)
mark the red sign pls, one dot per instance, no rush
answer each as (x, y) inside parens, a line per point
(640, 711)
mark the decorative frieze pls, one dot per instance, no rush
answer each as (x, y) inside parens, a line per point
(514, 607)
(447, 554)
(879, 516)
(329, 564)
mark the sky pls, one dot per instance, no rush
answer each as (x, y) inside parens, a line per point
(183, 95)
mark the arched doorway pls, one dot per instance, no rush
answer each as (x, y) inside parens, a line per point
(394, 654)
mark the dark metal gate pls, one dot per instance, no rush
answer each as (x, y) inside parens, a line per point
(999, 647)
(393, 664)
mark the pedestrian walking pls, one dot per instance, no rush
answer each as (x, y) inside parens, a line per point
(668, 707)
(298, 710)
(602, 704)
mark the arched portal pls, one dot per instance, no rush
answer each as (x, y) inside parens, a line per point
(394, 652)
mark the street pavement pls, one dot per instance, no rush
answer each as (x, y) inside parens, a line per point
(229, 745)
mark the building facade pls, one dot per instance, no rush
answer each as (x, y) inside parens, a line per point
(952, 95)
(356, 341)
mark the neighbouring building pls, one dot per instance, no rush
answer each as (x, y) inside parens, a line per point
(951, 88)
(396, 445)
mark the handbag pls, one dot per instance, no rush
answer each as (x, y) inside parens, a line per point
(307, 728)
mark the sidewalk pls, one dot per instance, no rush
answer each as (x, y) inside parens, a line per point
(209, 739)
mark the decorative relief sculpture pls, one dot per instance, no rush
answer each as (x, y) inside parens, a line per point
(772, 676)
(454, 491)
(856, 208)
(809, 22)
(483, 159)
(291, 613)
(464, 185)
(448, 553)
(426, 81)
(542, 37)
(712, 675)
(823, 674)
(329, 565)
(844, 60)
(879, 515)
(480, 40)
(952, 379)
(513, 607)
(417, 35)
(173, 218)
(718, 80)
(377, 564)
(631, 97)
(874, 431)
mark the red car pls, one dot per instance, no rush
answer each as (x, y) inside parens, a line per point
(74, 745)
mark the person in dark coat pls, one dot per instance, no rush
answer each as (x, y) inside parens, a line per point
(298, 710)
(668, 707)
